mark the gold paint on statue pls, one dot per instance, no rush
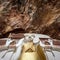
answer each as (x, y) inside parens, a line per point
(32, 52)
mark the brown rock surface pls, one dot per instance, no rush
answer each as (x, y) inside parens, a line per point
(38, 16)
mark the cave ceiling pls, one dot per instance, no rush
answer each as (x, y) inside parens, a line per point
(32, 16)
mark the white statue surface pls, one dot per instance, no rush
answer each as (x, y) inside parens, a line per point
(14, 55)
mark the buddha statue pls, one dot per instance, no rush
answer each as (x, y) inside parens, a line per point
(31, 51)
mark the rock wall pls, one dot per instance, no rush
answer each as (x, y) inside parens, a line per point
(37, 16)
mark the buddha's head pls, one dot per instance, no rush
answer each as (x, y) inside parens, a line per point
(29, 38)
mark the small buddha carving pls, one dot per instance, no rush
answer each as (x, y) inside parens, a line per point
(31, 51)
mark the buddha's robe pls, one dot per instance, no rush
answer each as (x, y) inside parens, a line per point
(30, 51)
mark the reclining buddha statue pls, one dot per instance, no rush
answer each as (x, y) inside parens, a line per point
(31, 51)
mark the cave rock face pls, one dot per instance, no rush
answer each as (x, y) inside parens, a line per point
(37, 16)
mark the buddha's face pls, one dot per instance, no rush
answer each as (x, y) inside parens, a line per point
(29, 37)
